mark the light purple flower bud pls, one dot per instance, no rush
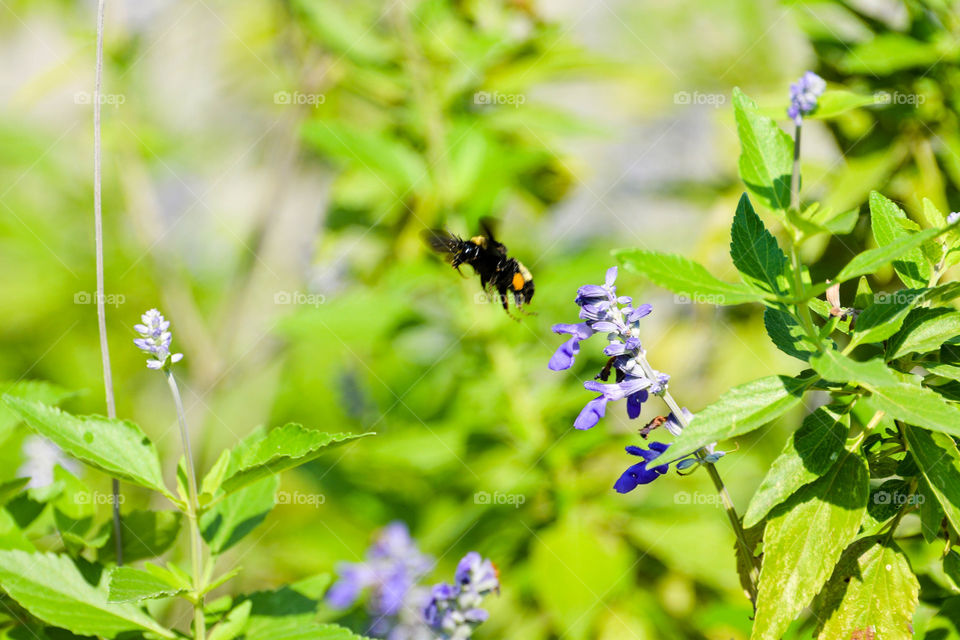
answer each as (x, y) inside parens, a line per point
(155, 340)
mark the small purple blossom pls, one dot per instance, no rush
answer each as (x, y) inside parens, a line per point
(953, 217)
(155, 339)
(804, 94)
(639, 473)
(603, 311)
(391, 569)
(454, 609)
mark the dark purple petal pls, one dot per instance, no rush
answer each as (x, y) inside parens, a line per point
(635, 403)
(636, 475)
(590, 415)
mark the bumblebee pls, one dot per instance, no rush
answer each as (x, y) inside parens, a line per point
(498, 271)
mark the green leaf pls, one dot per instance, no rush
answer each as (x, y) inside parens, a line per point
(35, 390)
(117, 447)
(924, 330)
(890, 224)
(810, 452)
(128, 584)
(685, 277)
(786, 333)
(285, 629)
(233, 624)
(145, 534)
(918, 405)
(836, 367)
(949, 371)
(884, 317)
(869, 261)
(931, 511)
(766, 153)
(951, 566)
(11, 488)
(933, 215)
(872, 593)
(236, 515)
(258, 456)
(755, 251)
(803, 541)
(742, 409)
(939, 461)
(52, 589)
(887, 53)
(835, 102)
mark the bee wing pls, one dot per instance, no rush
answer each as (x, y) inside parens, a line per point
(441, 241)
(488, 228)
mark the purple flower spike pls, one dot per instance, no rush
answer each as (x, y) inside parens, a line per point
(804, 94)
(155, 340)
(454, 612)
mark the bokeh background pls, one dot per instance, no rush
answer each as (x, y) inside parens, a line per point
(268, 167)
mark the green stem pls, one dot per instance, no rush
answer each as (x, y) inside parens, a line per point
(721, 488)
(196, 542)
(803, 309)
(98, 240)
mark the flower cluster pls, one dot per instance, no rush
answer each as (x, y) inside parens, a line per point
(804, 94)
(155, 339)
(40, 458)
(602, 311)
(953, 217)
(454, 609)
(392, 568)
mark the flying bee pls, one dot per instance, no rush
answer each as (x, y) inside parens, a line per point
(498, 271)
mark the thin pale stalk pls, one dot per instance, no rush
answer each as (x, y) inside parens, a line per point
(721, 488)
(196, 542)
(98, 235)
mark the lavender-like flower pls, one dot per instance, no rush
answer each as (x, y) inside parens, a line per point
(454, 609)
(804, 94)
(392, 567)
(155, 339)
(953, 217)
(602, 311)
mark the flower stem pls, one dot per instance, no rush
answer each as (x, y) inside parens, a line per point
(196, 542)
(732, 515)
(98, 239)
(728, 506)
(803, 308)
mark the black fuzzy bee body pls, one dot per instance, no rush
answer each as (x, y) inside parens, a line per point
(497, 270)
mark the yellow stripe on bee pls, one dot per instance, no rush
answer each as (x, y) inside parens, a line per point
(517, 281)
(480, 241)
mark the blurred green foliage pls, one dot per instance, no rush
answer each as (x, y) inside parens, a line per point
(232, 189)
